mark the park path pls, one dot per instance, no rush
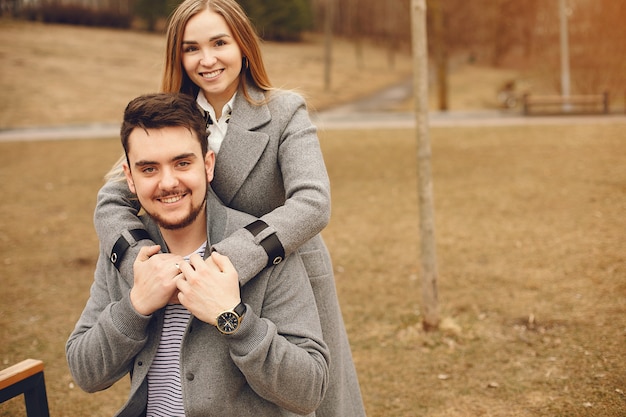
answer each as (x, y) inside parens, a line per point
(376, 112)
(373, 112)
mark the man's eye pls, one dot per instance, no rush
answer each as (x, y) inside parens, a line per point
(148, 170)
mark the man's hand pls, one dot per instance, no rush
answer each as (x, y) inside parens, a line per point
(208, 288)
(155, 279)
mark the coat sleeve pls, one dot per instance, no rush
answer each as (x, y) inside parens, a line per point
(115, 214)
(108, 334)
(305, 211)
(280, 349)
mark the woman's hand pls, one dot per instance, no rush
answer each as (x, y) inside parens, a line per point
(208, 288)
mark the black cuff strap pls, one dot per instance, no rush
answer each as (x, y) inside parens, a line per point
(256, 227)
(271, 244)
(122, 245)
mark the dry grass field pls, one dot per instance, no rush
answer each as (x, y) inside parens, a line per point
(55, 75)
(530, 226)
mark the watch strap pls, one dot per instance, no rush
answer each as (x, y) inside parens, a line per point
(240, 310)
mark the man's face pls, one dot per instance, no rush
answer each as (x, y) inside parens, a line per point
(168, 174)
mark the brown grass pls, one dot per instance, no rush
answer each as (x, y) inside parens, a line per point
(55, 75)
(531, 239)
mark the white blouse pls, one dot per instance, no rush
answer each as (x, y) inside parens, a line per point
(217, 130)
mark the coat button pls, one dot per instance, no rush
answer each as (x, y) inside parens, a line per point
(189, 376)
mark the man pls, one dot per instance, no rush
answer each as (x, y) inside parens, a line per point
(194, 343)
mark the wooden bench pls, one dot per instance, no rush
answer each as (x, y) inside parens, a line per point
(573, 104)
(26, 378)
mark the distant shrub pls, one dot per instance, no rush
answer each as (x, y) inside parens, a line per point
(279, 20)
(77, 15)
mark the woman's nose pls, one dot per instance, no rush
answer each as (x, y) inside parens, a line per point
(208, 59)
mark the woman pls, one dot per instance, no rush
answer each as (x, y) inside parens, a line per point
(268, 164)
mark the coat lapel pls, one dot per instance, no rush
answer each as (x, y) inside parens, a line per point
(243, 145)
(216, 220)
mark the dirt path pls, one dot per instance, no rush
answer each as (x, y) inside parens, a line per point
(374, 112)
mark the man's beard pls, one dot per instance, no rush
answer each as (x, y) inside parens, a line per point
(181, 224)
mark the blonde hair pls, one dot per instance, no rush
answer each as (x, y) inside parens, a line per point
(253, 70)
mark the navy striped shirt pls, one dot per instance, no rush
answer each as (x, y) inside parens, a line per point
(165, 396)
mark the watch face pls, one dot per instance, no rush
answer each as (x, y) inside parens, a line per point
(228, 322)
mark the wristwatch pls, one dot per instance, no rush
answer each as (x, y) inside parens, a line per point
(228, 322)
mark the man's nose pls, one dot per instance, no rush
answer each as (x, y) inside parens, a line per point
(169, 179)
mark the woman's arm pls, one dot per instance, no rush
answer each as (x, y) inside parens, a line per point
(305, 209)
(114, 218)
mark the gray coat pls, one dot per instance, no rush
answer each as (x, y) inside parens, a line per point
(275, 365)
(270, 165)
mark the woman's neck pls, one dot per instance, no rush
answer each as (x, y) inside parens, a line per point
(218, 101)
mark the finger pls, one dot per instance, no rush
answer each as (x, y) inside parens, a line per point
(222, 262)
(185, 267)
(147, 251)
(181, 283)
(202, 266)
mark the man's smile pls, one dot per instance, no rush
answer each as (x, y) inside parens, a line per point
(171, 198)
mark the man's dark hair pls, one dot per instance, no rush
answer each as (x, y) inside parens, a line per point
(156, 111)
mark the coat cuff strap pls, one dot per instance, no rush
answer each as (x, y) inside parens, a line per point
(122, 245)
(271, 244)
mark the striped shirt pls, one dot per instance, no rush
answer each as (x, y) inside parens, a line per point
(165, 395)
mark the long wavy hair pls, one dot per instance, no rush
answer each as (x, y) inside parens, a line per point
(253, 71)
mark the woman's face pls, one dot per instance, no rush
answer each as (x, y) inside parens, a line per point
(211, 57)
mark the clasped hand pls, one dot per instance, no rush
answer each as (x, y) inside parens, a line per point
(205, 287)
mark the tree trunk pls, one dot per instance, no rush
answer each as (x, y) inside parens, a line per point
(441, 56)
(328, 44)
(426, 211)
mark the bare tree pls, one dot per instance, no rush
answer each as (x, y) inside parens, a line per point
(354, 31)
(441, 56)
(425, 184)
(597, 39)
(328, 43)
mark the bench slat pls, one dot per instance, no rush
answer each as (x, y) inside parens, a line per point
(19, 372)
(583, 103)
